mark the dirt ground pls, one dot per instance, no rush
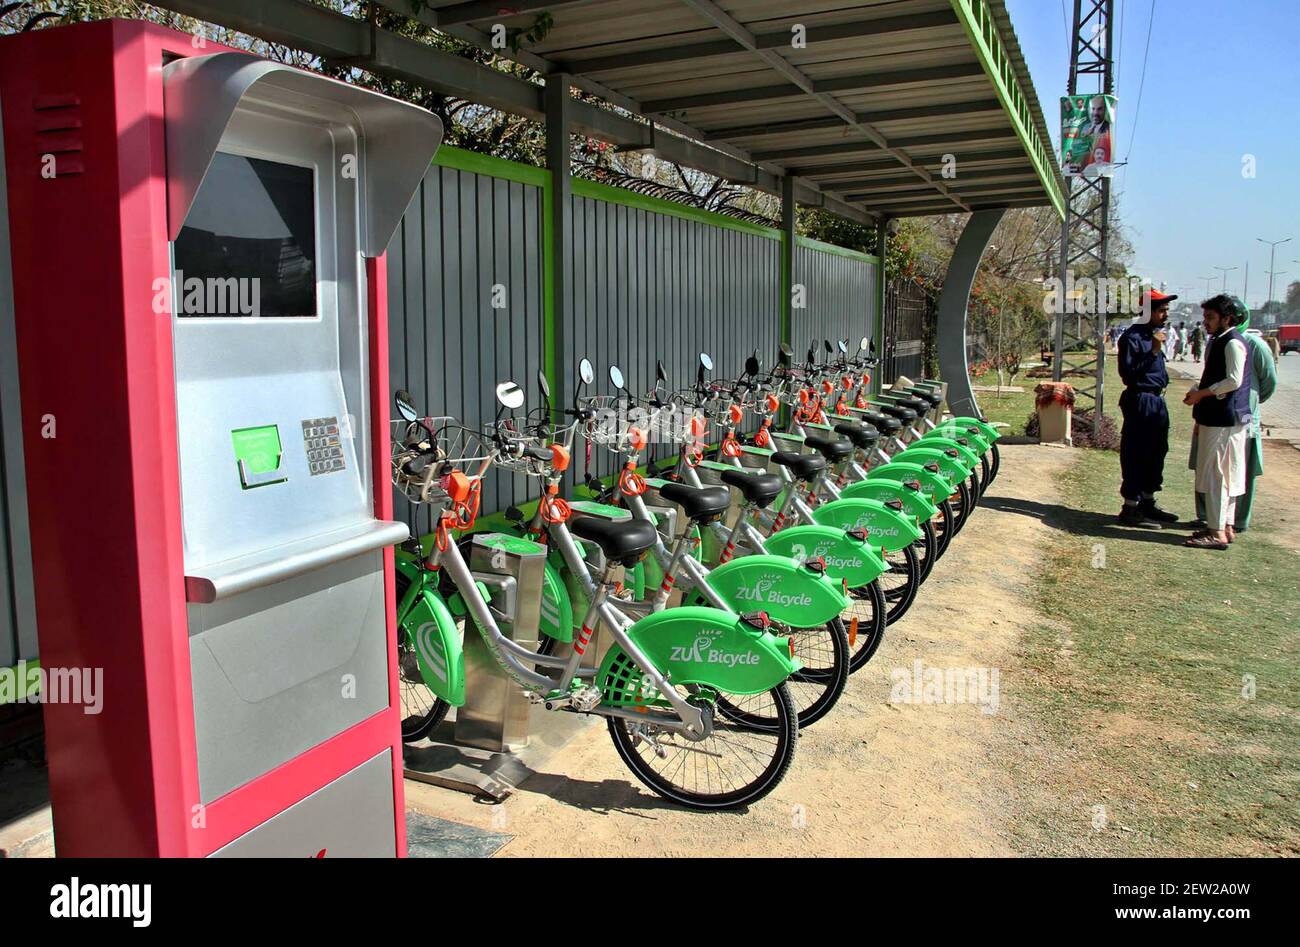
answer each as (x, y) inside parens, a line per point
(874, 777)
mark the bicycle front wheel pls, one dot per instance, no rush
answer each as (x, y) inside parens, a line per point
(736, 765)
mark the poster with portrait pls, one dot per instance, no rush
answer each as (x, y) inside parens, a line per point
(1087, 135)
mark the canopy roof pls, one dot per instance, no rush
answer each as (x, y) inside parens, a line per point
(865, 101)
(878, 108)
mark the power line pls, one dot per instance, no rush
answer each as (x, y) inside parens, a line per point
(1141, 82)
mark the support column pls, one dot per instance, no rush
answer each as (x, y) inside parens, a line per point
(557, 237)
(882, 290)
(789, 214)
(953, 302)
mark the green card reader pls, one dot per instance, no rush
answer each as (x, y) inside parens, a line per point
(258, 454)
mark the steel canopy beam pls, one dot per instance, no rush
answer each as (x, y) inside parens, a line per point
(468, 12)
(886, 115)
(335, 36)
(720, 18)
(916, 141)
(771, 40)
(859, 83)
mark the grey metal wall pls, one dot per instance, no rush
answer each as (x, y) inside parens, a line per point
(462, 234)
(841, 298)
(647, 285)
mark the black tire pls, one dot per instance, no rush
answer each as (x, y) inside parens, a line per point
(997, 461)
(869, 608)
(943, 526)
(986, 473)
(778, 744)
(421, 709)
(904, 578)
(961, 511)
(926, 549)
(814, 688)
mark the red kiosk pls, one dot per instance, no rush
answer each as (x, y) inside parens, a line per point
(195, 255)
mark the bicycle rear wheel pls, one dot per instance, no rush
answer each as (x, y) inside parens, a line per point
(815, 687)
(867, 605)
(733, 767)
(900, 583)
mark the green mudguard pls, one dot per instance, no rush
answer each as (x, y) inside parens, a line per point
(557, 607)
(886, 528)
(971, 437)
(934, 484)
(916, 503)
(967, 456)
(429, 625)
(990, 431)
(791, 593)
(696, 646)
(953, 468)
(847, 558)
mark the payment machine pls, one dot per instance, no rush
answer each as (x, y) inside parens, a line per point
(196, 278)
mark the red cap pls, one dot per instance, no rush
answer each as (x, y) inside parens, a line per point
(1154, 298)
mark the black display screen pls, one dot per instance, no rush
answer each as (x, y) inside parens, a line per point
(248, 246)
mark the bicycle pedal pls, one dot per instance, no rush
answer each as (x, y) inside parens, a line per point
(585, 699)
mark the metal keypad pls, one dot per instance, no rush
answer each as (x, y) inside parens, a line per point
(320, 437)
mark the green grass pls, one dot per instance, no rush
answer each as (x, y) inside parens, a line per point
(1007, 407)
(1138, 679)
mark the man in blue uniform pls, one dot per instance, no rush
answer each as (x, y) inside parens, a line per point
(1144, 439)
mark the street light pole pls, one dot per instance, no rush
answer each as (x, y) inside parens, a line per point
(1225, 270)
(1272, 254)
(1208, 281)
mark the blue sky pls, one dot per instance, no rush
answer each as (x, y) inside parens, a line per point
(1222, 81)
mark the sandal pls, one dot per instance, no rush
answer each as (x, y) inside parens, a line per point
(1206, 541)
(1230, 533)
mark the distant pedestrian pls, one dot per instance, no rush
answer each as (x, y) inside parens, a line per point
(1198, 342)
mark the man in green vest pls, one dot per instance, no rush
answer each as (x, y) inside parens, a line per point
(1263, 382)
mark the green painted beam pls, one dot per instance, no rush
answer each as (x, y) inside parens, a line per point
(976, 19)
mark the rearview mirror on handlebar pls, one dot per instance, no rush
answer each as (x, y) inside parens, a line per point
(586, 371)
(862, 346)
(406, 405)
(616, 377)
(510, 395)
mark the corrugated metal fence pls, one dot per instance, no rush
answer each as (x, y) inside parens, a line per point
(648, 279)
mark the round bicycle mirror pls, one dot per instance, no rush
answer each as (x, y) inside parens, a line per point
(706, 362)
(826, 344)
(586, 371)
(616, 377)
(752, 364)
(510, 395)
(660, 374)
(843, 347)
(862, 346)
(543, 384)
(406, 405)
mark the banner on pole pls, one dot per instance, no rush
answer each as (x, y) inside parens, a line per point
(1087, 135)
